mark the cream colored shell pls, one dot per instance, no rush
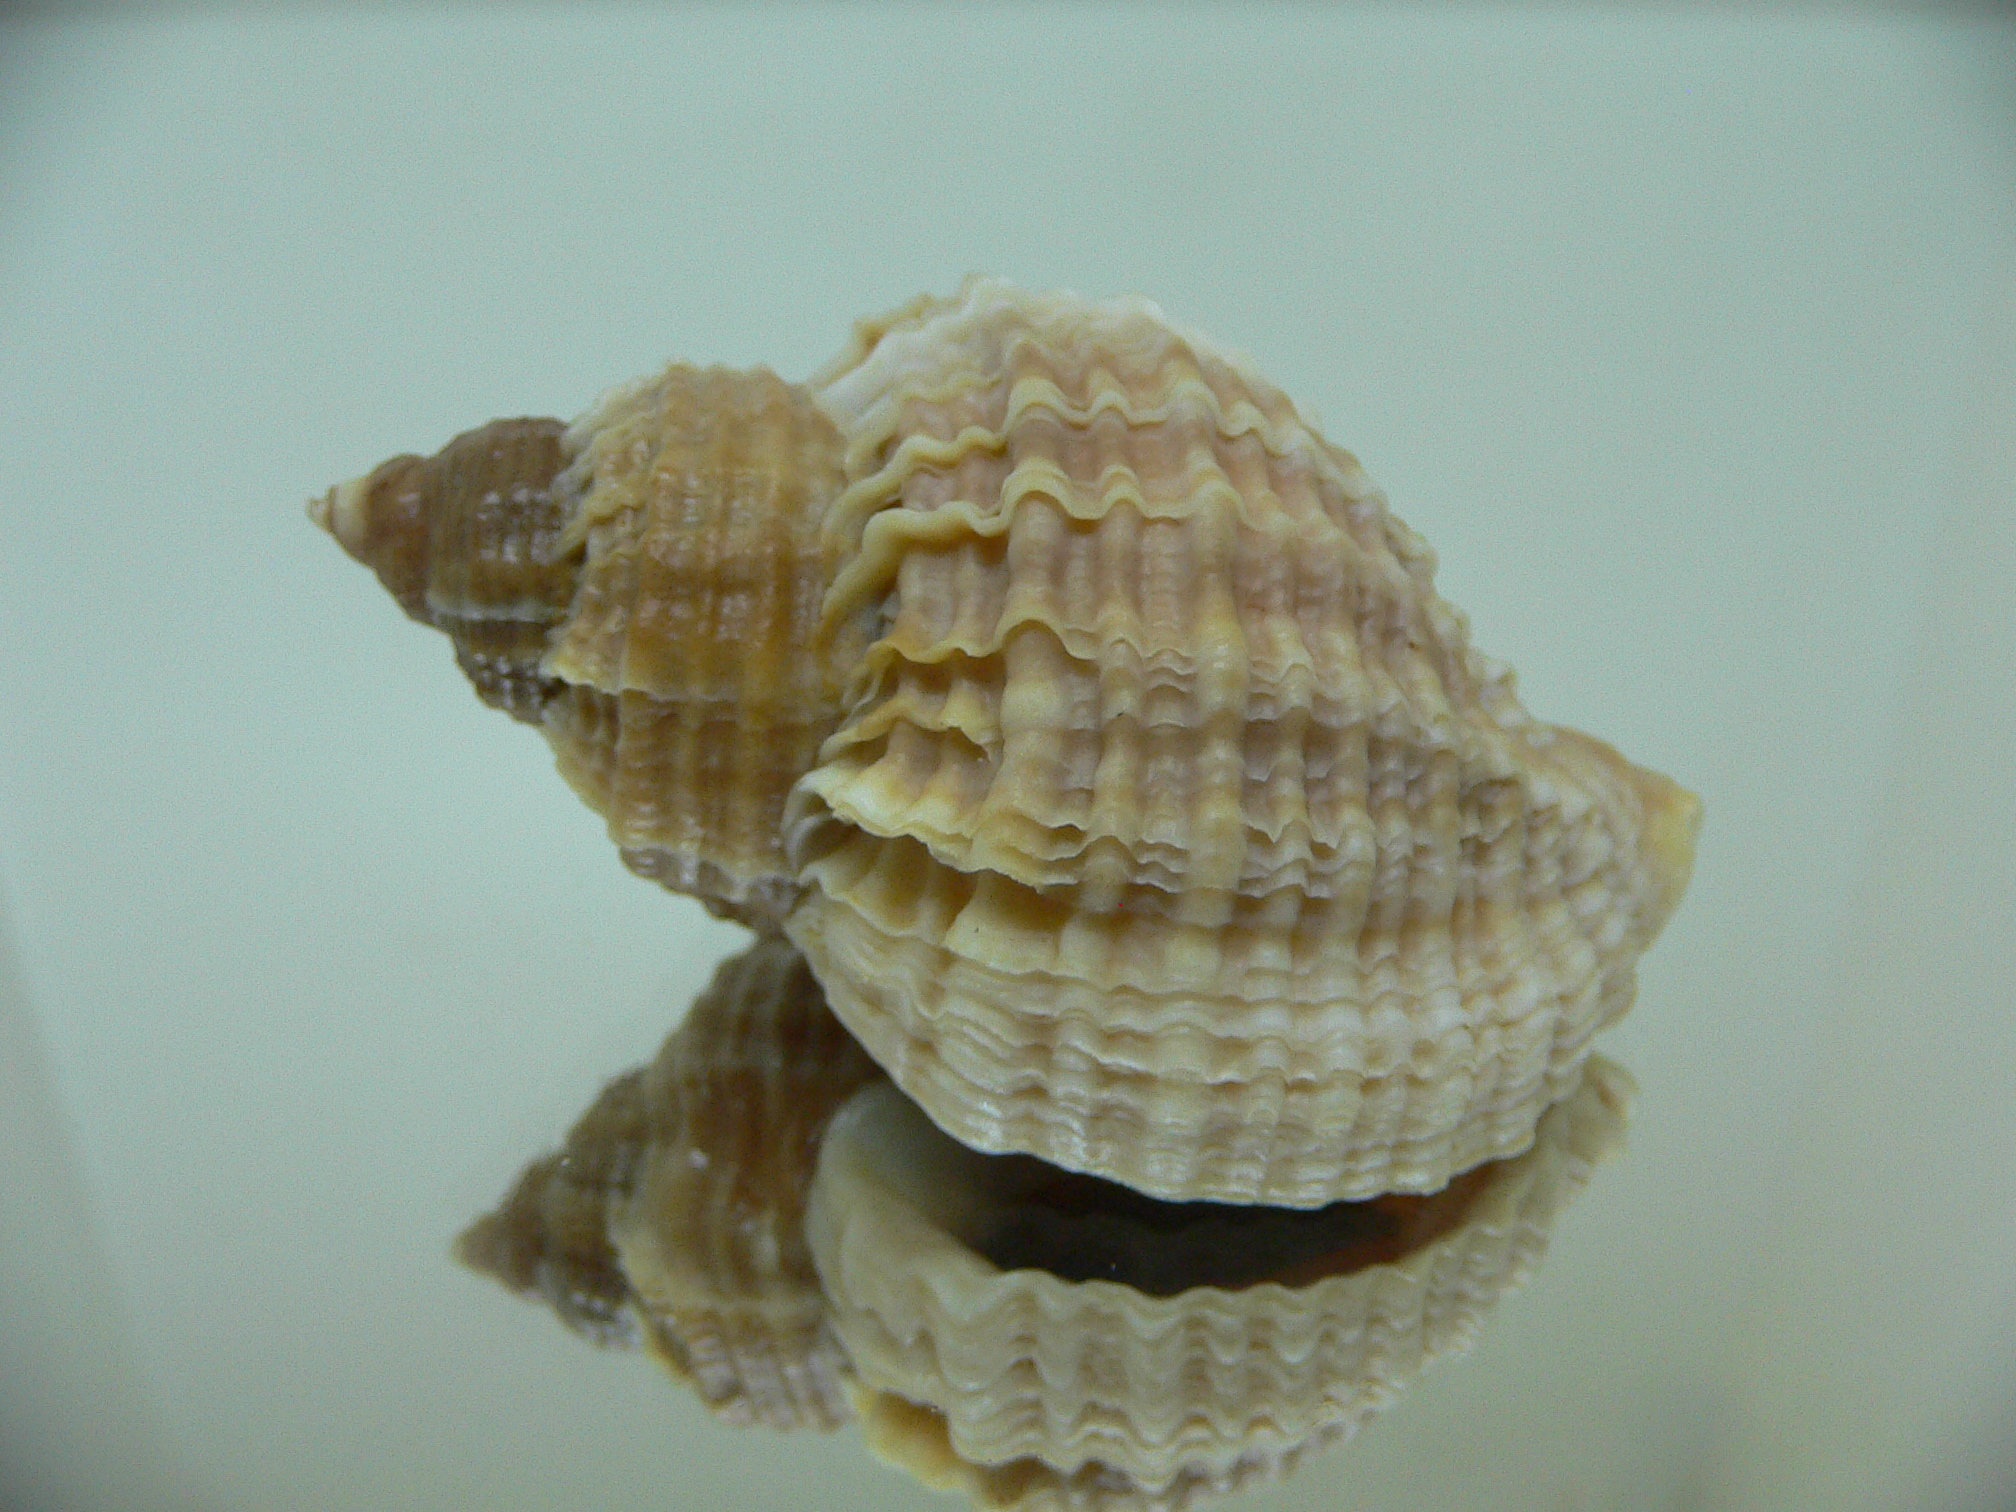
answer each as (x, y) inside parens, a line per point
(1089, 722)
(1175, 831)
(673, 1216)
(1026, 1390)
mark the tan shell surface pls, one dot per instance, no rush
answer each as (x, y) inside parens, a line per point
(1027, 1390)
(549, 1238)
(673, 1215)
(1175, 831)
(917, 1439)
(694, 695)
(467, 541)
(646, 585)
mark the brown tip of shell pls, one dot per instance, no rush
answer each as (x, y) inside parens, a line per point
(382, 519)
(492, 1247)
(431, 526)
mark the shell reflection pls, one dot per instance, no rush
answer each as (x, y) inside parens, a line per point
(1031, 1336)
(674, 1214)
(1262, 1335)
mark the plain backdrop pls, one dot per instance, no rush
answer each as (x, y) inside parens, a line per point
(1688, 338)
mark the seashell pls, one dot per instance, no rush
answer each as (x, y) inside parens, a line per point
(673, 1216)
(1271, 1334)
(1089, 722)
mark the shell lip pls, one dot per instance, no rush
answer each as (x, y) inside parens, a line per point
(1673, 831)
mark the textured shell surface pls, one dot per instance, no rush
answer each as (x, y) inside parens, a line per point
(1086, 718)
(645, 586)
(674, 1214)
(1027, 1389)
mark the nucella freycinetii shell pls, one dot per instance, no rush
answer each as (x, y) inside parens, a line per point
(1087, 720)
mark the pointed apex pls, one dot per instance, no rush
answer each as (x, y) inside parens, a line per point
(340, 511)
(451, 535)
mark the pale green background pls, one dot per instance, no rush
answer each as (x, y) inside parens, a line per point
(1688, 339)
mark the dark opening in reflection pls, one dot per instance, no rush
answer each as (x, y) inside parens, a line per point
(1080, 1228)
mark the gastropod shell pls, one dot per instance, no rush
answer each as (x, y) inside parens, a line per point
(1088, 721)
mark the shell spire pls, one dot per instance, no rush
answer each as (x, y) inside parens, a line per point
(466, 540)
(645, 586)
